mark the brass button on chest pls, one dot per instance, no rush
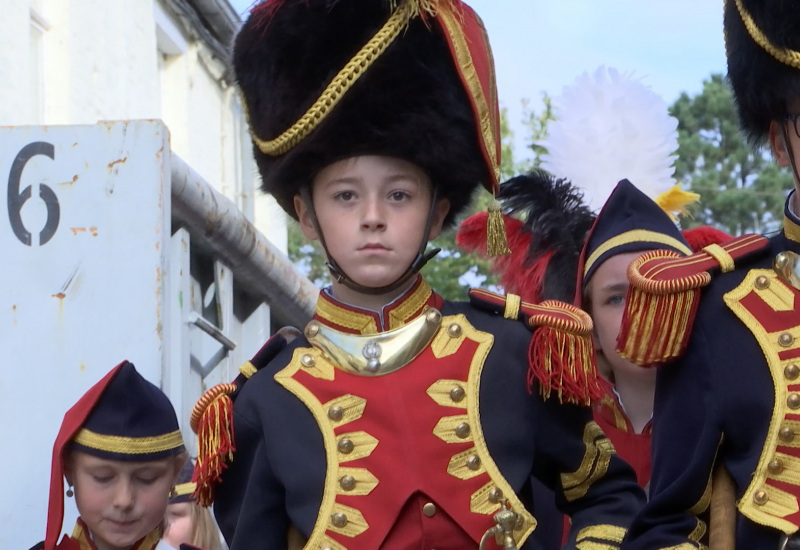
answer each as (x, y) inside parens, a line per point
(307, 360)
(775, 466)
(429, 509)
(339, 520)
(760, 497)
(345, 446)
(454, 330)
(793, 401)
(762, 282)
(786, 434)
(462, 430)
(495, 495)
(336, 413)
(348, 483)
(457, 394)
(473, 462)
(791, 371)
(785, 339)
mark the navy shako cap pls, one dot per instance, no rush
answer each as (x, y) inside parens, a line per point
(629, 221)
(184, 487)
(132, 420)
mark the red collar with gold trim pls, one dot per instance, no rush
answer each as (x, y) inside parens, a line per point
(354, 320)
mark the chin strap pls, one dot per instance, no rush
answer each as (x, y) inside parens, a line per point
(338, 273)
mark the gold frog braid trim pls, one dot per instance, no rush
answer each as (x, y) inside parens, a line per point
(340, 84)
(784, 55)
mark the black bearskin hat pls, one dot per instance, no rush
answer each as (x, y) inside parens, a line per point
(429, 97)
(762, 41)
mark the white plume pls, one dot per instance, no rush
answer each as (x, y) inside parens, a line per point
(610, 126)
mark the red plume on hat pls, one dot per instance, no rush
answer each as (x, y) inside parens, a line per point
(546, 222)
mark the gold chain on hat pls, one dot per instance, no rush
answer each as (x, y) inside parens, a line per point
(340, 84)
(784, 55)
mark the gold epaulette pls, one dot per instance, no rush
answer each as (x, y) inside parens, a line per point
(664, 294)
(212, 419)
(561, 356)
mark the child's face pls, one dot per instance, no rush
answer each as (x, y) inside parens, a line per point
(607, 290)
(179, 524)
(120, 502)
(372, 212)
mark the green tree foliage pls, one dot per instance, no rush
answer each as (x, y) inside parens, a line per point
(741, 188)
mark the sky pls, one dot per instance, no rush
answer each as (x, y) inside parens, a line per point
(540, 46)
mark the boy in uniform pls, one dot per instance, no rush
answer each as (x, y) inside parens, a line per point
(120, 450)
(728, 316)
(398, 419)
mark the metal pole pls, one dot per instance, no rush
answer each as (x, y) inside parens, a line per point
(219, 226)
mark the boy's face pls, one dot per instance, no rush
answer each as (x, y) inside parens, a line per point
(372, 212)
(121, 502)
(606, 291)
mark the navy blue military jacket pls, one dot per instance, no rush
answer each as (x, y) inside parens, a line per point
(419, 457)
(732, 401)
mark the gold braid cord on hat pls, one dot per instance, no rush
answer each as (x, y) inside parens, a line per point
(342, 81)
(784, 55)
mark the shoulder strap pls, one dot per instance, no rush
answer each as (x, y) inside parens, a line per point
(664, 294)
(561, 357)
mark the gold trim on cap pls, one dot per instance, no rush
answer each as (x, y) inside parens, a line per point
(129, 445)
(637, 235)
(784, 55)
(339, 86)
(184, 489)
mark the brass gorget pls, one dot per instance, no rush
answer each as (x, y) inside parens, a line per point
(375, 354)
(787, 266)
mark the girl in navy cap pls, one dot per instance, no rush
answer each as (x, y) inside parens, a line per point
(120, 450)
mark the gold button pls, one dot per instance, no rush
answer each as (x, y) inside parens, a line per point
(457, 394)
(781, 261)
(429, 509)
(786, 434)
(495, 495)
(454, 330)
(433, 317)
(462, 430)
(345, 446)
(762, 282)
(312, 329)
(793, 401)
(308, 360)
(327, 548)
(785, 339)
(348, 483)
(775, 466)
(791, 371)
(473, 462)
(339, 520)
(760, 497)
(336, 413)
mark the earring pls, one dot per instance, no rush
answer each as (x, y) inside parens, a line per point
(70, 492)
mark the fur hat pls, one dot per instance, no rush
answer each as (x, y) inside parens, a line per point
(324, 80)
(762, 43)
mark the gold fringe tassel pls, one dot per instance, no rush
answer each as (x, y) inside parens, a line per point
(658, 317)
(496, 238)
(212, 421)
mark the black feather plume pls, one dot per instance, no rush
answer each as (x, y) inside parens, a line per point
(554, 212)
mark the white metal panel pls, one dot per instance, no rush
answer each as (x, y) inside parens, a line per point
(81, 288)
